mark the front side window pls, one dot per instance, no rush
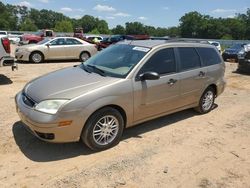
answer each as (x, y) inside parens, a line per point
(117, 60)
(189, 59)
(209, 56)
(162, 62)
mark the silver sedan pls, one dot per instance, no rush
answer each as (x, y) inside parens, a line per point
(59, 48)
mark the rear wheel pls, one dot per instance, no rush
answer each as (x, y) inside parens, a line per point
(84, 56)
(36, 57)
(206, 102)
(103, 130)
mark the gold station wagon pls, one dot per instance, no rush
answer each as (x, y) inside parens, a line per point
(126, 84)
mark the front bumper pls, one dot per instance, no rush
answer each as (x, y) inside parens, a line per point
(22, 55)
(229, 56)
(46, 126)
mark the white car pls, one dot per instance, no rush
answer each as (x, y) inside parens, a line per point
(14, 38)
(216, 44)
(97, 38)
(58, 48)
(3, 33)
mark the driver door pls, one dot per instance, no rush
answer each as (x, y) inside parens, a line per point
(56, 49)
(156, 97)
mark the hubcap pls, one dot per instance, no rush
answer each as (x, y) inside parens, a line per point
(84, 57)
(207, 101)
(37, 58)
(105, 130)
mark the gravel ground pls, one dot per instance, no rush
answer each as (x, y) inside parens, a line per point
(184, 149)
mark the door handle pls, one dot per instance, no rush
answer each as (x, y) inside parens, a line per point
(201, 74)
(172, 82)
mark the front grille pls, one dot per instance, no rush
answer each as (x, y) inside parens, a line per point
(27, 100)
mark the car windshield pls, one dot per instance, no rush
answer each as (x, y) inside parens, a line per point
(237, 46)
(117, 60)
(215, 44)
(44, 41)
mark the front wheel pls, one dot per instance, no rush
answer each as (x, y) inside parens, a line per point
(206, 102)
(36, 57)
(84, 56)
(103, 130)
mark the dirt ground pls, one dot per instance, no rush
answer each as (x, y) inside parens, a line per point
(184, 149)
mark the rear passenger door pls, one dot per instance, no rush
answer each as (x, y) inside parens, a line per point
(191, 74)
(73, 48)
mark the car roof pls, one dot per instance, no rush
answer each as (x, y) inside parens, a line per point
(175, 43)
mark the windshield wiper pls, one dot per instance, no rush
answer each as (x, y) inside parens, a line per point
(86, 68)
(97, 70)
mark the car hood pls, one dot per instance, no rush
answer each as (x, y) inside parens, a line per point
(65, 84)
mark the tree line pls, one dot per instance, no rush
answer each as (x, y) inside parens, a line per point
(192, 24)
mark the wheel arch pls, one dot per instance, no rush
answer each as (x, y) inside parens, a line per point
(214, 86)
(114, 106)
(37, 51)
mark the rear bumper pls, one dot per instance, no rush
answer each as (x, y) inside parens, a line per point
(8, 61)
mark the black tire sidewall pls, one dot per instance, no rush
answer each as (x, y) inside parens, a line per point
(87, 134)
(81, 56)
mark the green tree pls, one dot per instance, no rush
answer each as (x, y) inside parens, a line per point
(134, 28)
(102, 26)
(28, 25)
(191, 25)
(88, 23)
(64, 26)
(95, 31)
(119, 30)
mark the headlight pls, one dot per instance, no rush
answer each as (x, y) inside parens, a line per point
(50, 106)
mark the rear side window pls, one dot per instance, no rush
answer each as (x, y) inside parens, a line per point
(162, 62)
(209, 56)
(189, 59)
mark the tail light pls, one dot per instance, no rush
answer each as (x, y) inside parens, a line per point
(6, 44)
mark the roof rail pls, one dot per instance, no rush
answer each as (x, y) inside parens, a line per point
(188, 40)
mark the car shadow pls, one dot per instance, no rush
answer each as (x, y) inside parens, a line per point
(4, 80)
(40, 151)
(241, 72)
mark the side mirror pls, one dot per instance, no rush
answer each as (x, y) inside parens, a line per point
(48, 45)
(149, 76)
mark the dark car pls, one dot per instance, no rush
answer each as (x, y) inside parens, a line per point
(232, 52)
(117, 38)
(244, 63)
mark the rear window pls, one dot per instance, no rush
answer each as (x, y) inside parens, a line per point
(209, 56)
(189, 59)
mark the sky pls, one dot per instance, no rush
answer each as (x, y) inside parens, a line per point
(158, 13)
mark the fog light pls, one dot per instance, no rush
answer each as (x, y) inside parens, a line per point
(64, 123)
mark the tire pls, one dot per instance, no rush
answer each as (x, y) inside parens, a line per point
(36, 57)
(206, 102)
(98, 135)
(84, 56)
